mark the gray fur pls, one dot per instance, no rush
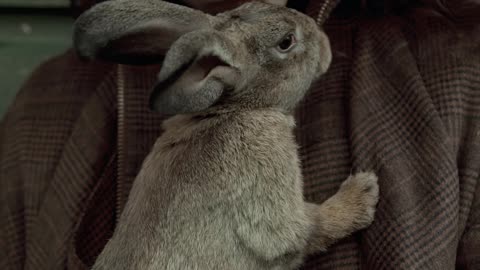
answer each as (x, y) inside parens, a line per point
(222, 187)
(133, 31)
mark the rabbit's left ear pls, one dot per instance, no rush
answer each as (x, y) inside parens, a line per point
(134, 31)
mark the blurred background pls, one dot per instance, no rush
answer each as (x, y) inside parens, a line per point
(31, 31)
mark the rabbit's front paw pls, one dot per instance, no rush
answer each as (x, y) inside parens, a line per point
(360, 194)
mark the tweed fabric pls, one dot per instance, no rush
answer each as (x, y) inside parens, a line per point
(402, 98)
(410, 110)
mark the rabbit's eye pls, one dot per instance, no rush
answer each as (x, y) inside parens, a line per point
(287, 43)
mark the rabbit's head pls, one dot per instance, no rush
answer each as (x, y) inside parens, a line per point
(255, 56)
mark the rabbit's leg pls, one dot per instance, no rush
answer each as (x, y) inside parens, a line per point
(276, 233)
(352, 208)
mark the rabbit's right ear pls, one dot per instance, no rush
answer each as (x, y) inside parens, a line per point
(134, 31)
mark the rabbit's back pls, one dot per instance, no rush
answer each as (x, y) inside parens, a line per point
(200, 175)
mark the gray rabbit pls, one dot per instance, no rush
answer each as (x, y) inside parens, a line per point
(222, 186)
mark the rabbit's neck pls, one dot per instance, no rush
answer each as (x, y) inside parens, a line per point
(238, 108)
(181, 126)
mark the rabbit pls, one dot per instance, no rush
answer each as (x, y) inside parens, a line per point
(222, 186)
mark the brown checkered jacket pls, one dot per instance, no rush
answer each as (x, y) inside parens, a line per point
(402, 97)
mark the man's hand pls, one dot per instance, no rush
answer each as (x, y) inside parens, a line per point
(216, 6)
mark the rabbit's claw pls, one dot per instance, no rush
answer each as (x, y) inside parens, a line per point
(360, 194)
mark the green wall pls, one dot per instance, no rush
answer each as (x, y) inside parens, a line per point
(34, 3)
(26, 40)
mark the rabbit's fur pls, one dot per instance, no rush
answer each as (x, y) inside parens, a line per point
(222, 186)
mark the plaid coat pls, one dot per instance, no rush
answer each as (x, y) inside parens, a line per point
(402, 98)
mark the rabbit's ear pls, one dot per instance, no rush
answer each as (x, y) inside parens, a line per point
(325, 54)
(195, 74)
(276, 2)
(194, 87)
(134, 31)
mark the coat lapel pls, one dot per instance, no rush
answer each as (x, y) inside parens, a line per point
(84, 157)
(138, 126)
